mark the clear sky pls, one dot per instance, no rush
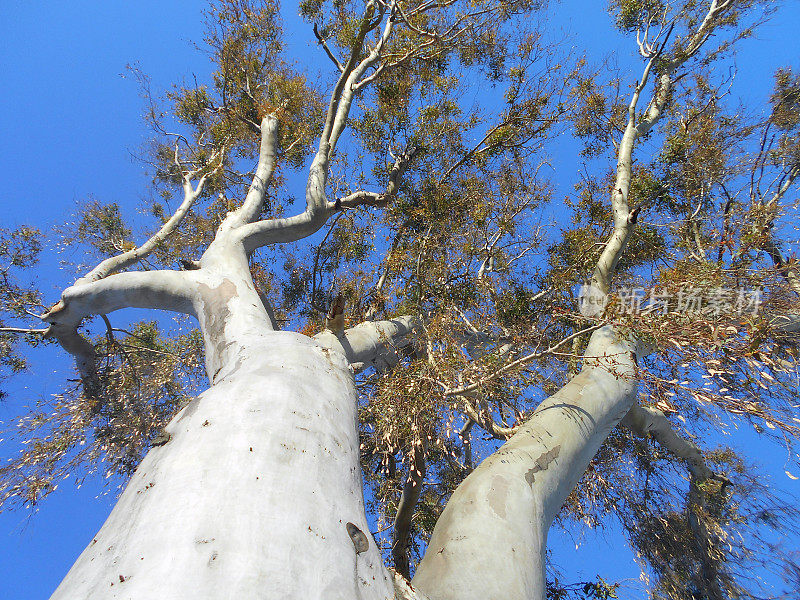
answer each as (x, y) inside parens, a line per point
(69, 122)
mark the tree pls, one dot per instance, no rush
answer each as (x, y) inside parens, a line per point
(466, 315)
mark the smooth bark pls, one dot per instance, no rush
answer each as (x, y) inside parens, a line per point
(257, 493)
(490, 541)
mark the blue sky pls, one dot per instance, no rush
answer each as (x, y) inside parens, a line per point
(69, 122)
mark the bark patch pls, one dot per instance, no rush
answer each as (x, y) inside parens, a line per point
(216, 312)
(497, 496)
(359, 539)
(541, 463)
(161, 438)
(188, 410)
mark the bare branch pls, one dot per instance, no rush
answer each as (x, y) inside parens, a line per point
(346, 98)
(282, 231)
(261, 233)
(412, 489)
(126, 259)
(321, 41)
(21, 330)
(340, 90)
(485, 420)
(643, 420)
(624, 219)
(377, 291)
(516, 364)
(83, 353)
(318, 209)
(164, 290)
(380, 199)
(251, 208)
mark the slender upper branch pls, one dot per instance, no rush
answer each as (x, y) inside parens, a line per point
(318, 208)
(624, 217)
(376, 293)
(126, 259)
(351, 87)
(321, 41)
(251, 208)
(380, 199)
(516, 364)
(21, 330)
(368, 23)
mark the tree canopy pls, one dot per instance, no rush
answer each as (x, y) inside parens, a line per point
(428, 137)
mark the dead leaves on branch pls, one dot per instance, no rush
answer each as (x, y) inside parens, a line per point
(717, 355)
(145, 380)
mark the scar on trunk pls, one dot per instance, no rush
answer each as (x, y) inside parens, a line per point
(541, 463)
(216, 312)
(360, 541)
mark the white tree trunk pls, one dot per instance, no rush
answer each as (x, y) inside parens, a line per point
(252, 495)
(490, 541)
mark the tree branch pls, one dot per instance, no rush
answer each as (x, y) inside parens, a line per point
(251, 208)
(21, 330)
(516, 364)
(381, 199)
(485, 421)
(367, 24)
(273, 231)
(321, 41)
(412, 489)
(515, 493)
(318, 209)
(350, 88)
(371, 343)
(625, 219)
(165, 290)
(126, 259)
(282, 231)
(642, 420)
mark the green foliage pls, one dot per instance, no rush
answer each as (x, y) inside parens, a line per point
(597, 590)
(101, 227)
(785, 99)
(473, 243)
(631, 15)
(145, 378)
(19, 252)
(599, 116)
